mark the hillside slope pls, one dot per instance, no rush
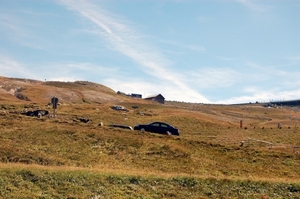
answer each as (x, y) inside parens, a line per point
(73, 156)
(16, 89)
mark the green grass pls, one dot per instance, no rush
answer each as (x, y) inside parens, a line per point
(90, 146)
(40, 183)
(64, 158)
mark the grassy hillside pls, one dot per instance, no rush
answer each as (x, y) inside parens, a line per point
(63, 157)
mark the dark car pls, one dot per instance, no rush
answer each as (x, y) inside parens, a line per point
(158, 127)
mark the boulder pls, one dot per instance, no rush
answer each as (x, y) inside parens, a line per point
(37, 113)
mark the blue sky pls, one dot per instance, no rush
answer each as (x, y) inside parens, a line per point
(206, 51)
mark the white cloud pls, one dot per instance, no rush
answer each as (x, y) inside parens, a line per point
(63, 78)
(145, 88)
(132, 86)
(196, 48)
(123, 38)
(251, 4)
(214, 77)
(75, 71)
(259, 94)
(19, 30)
(279, 72)
(295, 60)
(8, 22)
(202, 19)
(86, 67)
(226, 58)
(120, 36)
(191, 47)
(11, 68)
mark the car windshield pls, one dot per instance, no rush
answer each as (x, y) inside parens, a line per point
(154, 124)
(159, 124)
(164, 125)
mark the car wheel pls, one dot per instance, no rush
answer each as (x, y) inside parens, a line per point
(142, 130)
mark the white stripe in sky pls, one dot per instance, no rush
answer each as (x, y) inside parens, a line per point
(252, 5)
(124, 39)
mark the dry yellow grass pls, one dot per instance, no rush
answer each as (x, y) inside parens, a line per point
(209, 146)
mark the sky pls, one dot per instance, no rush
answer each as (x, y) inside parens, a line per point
(203, 51)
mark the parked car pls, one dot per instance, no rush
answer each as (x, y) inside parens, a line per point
(157, 127)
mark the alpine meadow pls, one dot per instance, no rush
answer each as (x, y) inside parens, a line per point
(240, 151)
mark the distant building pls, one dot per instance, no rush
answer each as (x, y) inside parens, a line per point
(136, 95)
(285, 103)
(157, 98)
(121, 93)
